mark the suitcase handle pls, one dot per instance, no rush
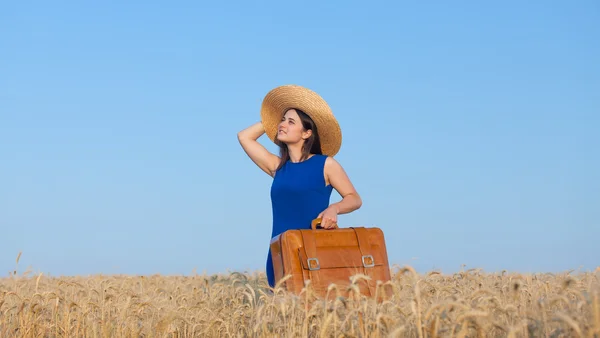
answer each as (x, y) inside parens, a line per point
(317, 221)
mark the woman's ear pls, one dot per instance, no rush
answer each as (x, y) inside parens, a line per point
(306, 134)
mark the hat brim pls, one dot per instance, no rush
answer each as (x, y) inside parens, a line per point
(286, 97)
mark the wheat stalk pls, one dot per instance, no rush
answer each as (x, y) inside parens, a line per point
(469, 303)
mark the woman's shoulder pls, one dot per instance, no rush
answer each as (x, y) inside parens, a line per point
(331, 164)
(328, 159)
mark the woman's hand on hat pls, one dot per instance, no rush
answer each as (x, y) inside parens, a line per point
(329, 217)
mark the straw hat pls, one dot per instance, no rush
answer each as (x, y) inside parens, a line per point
(282, 98)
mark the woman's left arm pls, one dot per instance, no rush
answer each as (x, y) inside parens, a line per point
(339, 180)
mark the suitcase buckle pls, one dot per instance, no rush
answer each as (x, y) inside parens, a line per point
(368, 261)
(310, 266)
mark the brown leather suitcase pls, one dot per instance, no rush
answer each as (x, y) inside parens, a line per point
(326, 256)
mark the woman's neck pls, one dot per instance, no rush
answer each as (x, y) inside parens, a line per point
(295, 153)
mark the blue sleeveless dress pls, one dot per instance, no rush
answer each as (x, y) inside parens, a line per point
(298, 195)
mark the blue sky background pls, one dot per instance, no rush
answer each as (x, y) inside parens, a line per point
(471, 130)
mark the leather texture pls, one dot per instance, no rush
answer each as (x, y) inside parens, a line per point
(331, 256)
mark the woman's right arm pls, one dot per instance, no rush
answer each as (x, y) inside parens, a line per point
(260, 155)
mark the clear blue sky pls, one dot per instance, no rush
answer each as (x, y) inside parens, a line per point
(471, 130)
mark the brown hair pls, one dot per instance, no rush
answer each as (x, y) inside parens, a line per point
(311, 146)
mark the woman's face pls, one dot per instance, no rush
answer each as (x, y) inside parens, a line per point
(290, 129)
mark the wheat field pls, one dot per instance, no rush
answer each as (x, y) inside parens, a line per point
(469, 303)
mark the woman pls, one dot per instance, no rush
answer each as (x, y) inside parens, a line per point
(300, 122)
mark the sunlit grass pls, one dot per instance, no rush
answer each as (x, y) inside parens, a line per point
(470, 303)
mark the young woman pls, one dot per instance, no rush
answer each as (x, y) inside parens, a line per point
(304, 174)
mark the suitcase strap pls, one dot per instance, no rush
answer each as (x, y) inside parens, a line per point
(368, 261)
(310, 247)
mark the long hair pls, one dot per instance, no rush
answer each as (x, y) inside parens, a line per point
(311, 145)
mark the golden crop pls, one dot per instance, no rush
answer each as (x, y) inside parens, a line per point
(470, 303)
